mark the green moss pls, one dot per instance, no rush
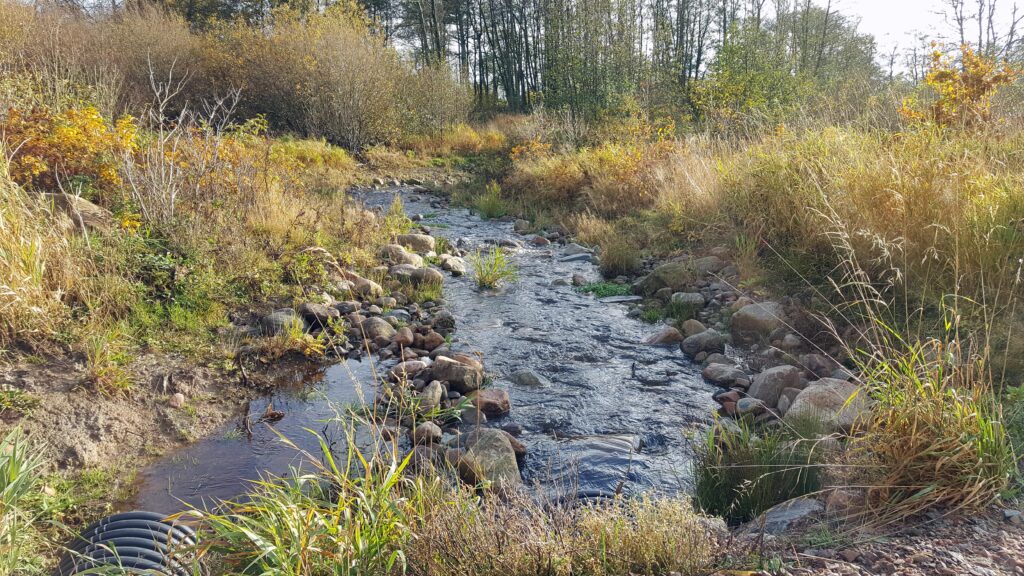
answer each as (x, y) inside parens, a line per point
(605, 289)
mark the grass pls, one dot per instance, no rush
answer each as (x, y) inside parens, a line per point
(492, 268)
(739, 473)
(20, 470)
(427, 292)
(606, 289)
(489, 204)
(363, 513)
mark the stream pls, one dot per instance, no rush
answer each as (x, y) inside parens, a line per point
(610, 413)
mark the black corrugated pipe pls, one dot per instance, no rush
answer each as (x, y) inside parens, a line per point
(137, 542)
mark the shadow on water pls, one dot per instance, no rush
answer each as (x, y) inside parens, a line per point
(609, 413)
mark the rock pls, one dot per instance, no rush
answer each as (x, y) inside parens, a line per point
(837, 403)
(493, 402)
(404, 337)
(528, 378)
(177, 400)
(707, 265)
(82, 212)
(782, 517)
(751, 406)
(575, 249)
(579, 258)
(420, 243)
(490, 458)
(461, 377)
(539, 241)
(376, 327)
(432, 340)
(280, 321)
(425, 433)
(686, 305)
(708, 341)
(578, 280)
(674, 275)
(521, 225)
(408, 369)
(723, 375)
(347, 307)
(443, 320)
(318, 315)
(455, 265)
(422, 276)
(786, 399)
(365, 288)
(430, 397)
(667, 335)
(692, 327)
(819, 365)
(790, 343)
(755, 322)
(402, 272)
(396, 254)
(768, 385)
(717, 358)
(620, 299)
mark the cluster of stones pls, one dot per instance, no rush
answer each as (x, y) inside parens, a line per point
(423, 376)
(781, 376)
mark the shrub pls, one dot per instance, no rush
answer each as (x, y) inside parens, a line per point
(619, 257)
(492, 268)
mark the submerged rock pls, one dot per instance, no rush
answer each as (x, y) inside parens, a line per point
(489, 457)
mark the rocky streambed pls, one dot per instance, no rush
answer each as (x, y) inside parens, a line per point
(590, 407)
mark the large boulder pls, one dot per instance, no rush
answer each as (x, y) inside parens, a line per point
(673, 275)
(489, 457)
(377, 327)
(396, 254)
(708, 341)
(318, 315)
(421, 276)
(707, 265)
(364, 287)
(768, 385)
(837, 403)
(421, 243)
(280, 321)
(754, 322)
(461, 377)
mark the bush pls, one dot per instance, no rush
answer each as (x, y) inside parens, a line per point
(739, 474)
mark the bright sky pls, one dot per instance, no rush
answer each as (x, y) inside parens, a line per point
(899, 21)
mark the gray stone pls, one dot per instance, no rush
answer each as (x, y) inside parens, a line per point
(430, 397)
(396, 254)
(461, 377)
(691, 327)
(751, 406)
(280, 321)
(780, 518)
(425, 433)
(318, 315)
(422, 276)
(376, 327)
(490, 458)
(768, 385)
(723, 375)
(708, 341)
(575, 250)
(837, 403)
(674, 275)
(755, 322)
(421, 243)
(620, 299)
(528, 378)
(707, 265)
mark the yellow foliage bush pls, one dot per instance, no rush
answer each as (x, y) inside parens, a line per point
(49, 149)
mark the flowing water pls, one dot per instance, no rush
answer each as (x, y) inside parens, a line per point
(610, 414)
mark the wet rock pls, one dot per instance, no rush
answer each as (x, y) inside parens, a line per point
(396, 254)
(376, 327)
(578, 280)
(837, 403)
(404, 337)
(575, 249)
(462, 377)
(425, 433)
(620, 299)
(692, 327)
(723, 375)
(420, 243)
(667, 335)
(674, 275)
(455, 265)
(493, 402)
(768, 385)
(717, 358)
(443, 320)
(528, 378)
(318, 315)
(280, 321)
(755, 322)
(490, 458)
(708, 341)
(579, 258)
